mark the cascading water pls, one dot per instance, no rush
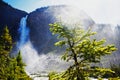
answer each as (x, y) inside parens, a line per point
(24, 32)
(40, 63)
(37, 63)
(51, 62)
(24, 45)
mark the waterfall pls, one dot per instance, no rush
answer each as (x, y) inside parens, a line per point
(44, 62)
(29, 54)
(37, 63)
(24, 32)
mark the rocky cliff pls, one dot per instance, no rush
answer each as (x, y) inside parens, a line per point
(39, 20)
(43, 41)
(10, 17)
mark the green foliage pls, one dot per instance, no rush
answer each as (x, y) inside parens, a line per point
(53, 76)
(100, 79)
(5, 48)
(5, 42)
(116, 69)
(81, 49)
(114, 79)
(10, 68)
(101, 72)
(19, 60)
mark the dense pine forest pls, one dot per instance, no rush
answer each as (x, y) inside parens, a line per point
(11, 68)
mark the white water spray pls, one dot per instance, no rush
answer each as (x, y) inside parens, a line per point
(29, 54)
(37, 63)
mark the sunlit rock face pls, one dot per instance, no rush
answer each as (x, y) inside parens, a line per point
(39, 20)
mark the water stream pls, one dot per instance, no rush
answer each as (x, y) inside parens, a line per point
(37, 64)
(44, 63)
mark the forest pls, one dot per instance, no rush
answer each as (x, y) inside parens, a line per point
(11, 68)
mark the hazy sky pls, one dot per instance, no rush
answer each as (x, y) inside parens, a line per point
(101, 11)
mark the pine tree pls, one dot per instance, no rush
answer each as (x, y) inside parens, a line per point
(81, 49)
(5, 48)
(19, 60)
(10, 68)
(5, 42)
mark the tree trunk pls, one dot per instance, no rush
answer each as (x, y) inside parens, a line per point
(79, 74)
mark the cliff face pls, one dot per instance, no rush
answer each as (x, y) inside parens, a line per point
(43, 40)
(39, 20)
(10, 17)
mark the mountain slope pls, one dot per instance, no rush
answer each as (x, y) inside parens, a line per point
(43, 41)
(39, 20)
(10, 17)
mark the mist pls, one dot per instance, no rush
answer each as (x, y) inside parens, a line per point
(101, 11)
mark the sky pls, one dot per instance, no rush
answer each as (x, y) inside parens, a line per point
(101, 11)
